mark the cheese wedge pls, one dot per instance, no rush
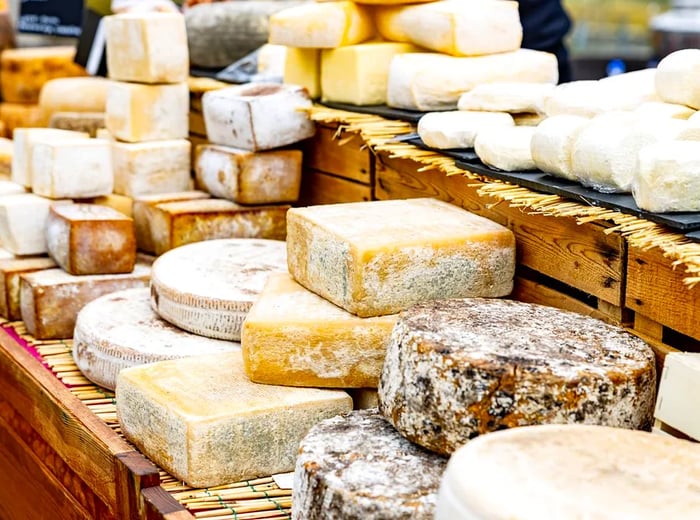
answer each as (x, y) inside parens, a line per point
(87, 122)
(678, 391)
(506, 97)
(73, 95)
(16, 115)
(23, 220)
(506, 149)
(151, 167)
(303, 67)
(553, 142)
(10, 271)
(676, 75)
(445, 130)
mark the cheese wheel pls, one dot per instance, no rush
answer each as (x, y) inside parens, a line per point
(224, 278)
(444, 130)
(676, 78)
(358, 466)
(73, 95)
(552, 144)
(570, 473)
(17, 115)
(506, 97)
(456, 369)
(506, 149)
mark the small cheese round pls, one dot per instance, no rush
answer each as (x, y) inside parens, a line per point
(459, 368)
(506, 97)
(553, 142)
(506, 149)
(358, 467)
(676, 78)
(444, 130)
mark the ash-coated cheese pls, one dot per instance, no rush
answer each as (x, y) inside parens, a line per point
(152, 167)
(358, 466)
(292, 336)
(676, 78)
(203, 421)
(88, 122)
(458, 129)
(74, 95)
(120, 330)
(23, 219)
(10, 271)
(224, 278)
(456, 369)
(553, 142)
(303, 67)
(18, 115)
(257, 116)
(376, 258)
(678, 391)
(91, 239)
(245, 177)
(506, 149)
(514, 98)
(570, 473)
(50, 300)
(147, 47)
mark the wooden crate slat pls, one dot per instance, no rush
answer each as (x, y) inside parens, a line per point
(344, 156)
(322, 188)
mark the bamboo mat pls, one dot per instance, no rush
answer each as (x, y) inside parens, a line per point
(248, 500)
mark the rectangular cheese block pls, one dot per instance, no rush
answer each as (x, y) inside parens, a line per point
(249, 177)
(151, 167)
(359, 74)
(88, 122)
(74, 95)
(303, 67)
(72, 168)
(376, 258)
(679, 393)
(204, 422)
(23, 220)
(147, 47)
(321, 25)
(10, 272)
(175, 224)
(138, 113)
(51, 299)
(121, 203)
(294, 337)
(16, 115)
(91, 239)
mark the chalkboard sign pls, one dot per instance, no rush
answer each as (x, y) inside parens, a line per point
(52, 17)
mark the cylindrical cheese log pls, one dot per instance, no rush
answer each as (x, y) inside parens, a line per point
(358, 467)
(506, 149)
(459, 368)
(676, 78)
(506, 97)
(444, 130)
(553, 142)
(570, 473)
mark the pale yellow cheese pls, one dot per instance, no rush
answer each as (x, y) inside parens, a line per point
(18, 115)
(73, 95)
(10, 271)
(151, 167)
(303, 67)
(676, 78)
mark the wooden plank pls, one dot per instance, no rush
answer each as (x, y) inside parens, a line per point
(134, 473)
(647, 327)
(344, 155)
(159, 505)
(322, 188)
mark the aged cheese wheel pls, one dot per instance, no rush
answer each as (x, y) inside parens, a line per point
(73, 95)
(208, 287)
(357, 466)
(569, 473)
(459, 368)
(120, 330)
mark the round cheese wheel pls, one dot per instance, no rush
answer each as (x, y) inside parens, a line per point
(120, 330)
(506, 148)
(459, 368)
(357, 466)
(208, 287)
(570, 473)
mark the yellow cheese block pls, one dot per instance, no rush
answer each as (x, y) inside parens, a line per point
(303, 67)
(73, 95)
(17, 115)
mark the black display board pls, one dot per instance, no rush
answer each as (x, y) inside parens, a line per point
(51, 17)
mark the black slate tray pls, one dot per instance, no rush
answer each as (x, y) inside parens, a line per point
(410, 116)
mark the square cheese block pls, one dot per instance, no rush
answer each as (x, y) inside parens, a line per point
(249, 177)
(257, 116)
(88, 122)
(294, 337)
(679, 391)
(91, 239)
(376, 258)
(121, 203)
(322, 25)
(72, 168)
(17, 115)
(147, 47)
(51, 299)
(303, 67)
(23, 220)
(138, 113)
(204, 422)
(81, 95)
(151, 167)
(10, 271)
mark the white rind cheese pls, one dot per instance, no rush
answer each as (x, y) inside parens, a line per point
(458, 129)
(73, 95)
(676, 78)
(506, 149)
(152, 167)
(23, 219)
(678, 391)
(553, 142)
(514, 98)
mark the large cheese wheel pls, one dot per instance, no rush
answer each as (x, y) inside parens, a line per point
(506, 149)
(358, 466)
(459, 368)
(208, 287)
(676, 78)
(571, 473)
(552, 144)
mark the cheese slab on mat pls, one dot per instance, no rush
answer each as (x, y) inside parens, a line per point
(376, 258)
(74, 95)
(147, 47)
(88, 122)
(224, 278)
(51, 299)
(151, 167)
(120, 330)
(203, 421)
(506, 149)
(460, 368)
(358, 466)
(458, 129)
(257, 116)
(553, 142)
(17, 115)
(247, 177)
(506, 97)
(91, 239)
(10, 271)
(678, 393)
(294, 337)
(321, 25)
(572, 472)
(303, 67)
(23, 220)
(676, 77)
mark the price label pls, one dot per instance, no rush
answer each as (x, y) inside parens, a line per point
(51, 17)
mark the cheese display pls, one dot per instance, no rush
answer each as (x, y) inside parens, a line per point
(676, 78)
(659, 109)
(151, 167)
(322, 25)
(23, 220)
(51, 299)
(257, 116)
(224, 278)
(174, 224)
(17, 115)
(121, 203)
(553, 142)
(459, 368)
(204, 422)
(120, 330)
(73, 95)
(147, 47)
(293, 337)
(569, 473)
(88, 122)
(375, 258)
(249, 177)
(138, 112)
(456, 28)
(72, 168)
(458, 129)
(506, 149)
(10, 271)
(678, 392)
(91, 239)
(358, 466)
(303, 67)
(506, 97)
(359, 74)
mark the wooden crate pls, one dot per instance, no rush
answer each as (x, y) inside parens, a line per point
(342, 154)
(323, 188)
